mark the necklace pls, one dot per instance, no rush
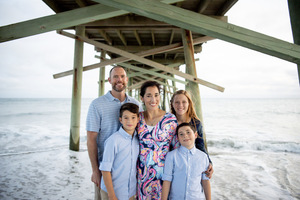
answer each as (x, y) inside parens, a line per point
(153, 121)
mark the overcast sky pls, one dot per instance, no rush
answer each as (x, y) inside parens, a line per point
(27, 64)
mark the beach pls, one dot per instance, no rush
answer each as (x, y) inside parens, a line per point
(254, 145)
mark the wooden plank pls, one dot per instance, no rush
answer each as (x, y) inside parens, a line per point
(124, 59)
(57, 21)
(61, 21)
(209, 26)
(148, 62)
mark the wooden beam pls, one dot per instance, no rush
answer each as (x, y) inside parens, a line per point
(156, 70)
(150, 71)
(171, 37)
(148, 62)
(153, 37)
(61, 21)
(223, 10)
(122, 37)
(145, 71)
(208, 26)
(203, 5)
(127, 23)
(105, 36)
(135, 48)
(53, 5)
(138, 39)
(81, 3)
(124, 59)
(57, 21)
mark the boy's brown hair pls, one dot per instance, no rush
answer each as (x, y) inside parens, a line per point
(185, 124)
(131, 107)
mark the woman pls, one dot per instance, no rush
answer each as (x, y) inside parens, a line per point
(182, 106)
(156, 131)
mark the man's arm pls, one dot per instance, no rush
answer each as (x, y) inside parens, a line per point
(109, 185)
(93, 154)
(165, 190)
(206, 188)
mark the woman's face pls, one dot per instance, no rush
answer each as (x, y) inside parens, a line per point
(151, 98)
(180, 104)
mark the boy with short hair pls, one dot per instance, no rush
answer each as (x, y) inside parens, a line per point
(120, 155)
(184, 170)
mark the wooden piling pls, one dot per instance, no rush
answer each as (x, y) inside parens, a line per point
(192, 87)
(101, 85)
(294, 9)
(76, 92)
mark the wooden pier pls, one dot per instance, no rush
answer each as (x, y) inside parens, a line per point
(150, 39)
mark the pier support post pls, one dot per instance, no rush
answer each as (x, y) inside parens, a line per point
(294, 9)
(76, 92)
(102, 75)
(130, 82)
(192, 87)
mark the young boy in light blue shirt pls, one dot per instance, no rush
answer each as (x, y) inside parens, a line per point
(184, 171)
(120, 155)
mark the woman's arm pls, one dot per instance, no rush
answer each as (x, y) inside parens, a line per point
(109, 185)
(165, 190)
(207, 189)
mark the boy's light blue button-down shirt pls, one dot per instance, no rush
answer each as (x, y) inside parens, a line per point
(120, 158)
(185, 169)
(103, 117)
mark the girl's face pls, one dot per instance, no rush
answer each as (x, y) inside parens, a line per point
(180, 104)
(151, 98)
(186, 137)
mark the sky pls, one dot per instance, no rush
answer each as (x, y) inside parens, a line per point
(27, 65)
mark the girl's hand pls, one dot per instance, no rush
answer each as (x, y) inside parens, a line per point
(209, 171)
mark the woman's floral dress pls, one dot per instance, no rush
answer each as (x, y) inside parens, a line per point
(154, 146)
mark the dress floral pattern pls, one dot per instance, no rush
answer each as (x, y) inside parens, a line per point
(154, 146)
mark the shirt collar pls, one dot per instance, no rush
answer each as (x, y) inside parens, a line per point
(125, 134)
(110, 97)
(184, 150)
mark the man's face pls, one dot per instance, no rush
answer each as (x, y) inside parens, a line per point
(118, 79)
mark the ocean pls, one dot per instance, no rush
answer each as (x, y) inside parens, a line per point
(254, 145)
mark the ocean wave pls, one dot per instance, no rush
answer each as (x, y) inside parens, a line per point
(272, 146)
(33, 151)
(42, 113)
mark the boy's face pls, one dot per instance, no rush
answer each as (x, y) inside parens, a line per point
(186, 137)
(129, 121)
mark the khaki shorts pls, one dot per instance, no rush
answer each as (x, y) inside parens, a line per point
(104, 196)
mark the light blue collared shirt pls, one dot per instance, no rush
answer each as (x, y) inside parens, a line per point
(103, 117)
(120, 158)
(185, 169)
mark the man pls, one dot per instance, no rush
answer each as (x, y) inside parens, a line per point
(103, 120)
